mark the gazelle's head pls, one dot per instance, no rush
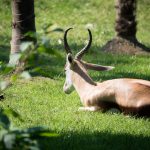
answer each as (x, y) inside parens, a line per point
(75, 64)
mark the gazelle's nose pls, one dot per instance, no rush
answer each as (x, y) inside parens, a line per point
(66, 89)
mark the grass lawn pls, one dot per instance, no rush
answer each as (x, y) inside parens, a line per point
(41, 101)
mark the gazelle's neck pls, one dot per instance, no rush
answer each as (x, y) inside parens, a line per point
(82, 81)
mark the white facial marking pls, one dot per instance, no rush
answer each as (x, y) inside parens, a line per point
(68, 86)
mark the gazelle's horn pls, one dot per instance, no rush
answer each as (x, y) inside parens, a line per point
(85, 49)
(67, 48)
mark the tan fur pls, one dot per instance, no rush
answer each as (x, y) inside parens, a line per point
(128, 94)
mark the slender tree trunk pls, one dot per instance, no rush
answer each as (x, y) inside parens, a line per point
(125, 40)
(23, 22)
(126, 19)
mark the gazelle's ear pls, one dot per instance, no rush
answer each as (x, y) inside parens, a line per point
(97, 67)
(69, 58)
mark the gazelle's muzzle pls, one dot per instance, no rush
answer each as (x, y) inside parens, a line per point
(68, 88)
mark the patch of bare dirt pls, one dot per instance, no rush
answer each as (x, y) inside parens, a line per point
(123, 46)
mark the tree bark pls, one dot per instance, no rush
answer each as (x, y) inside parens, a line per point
(125, 40)
(23, 22)
(126, 19)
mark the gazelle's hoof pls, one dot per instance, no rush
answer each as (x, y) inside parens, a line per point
(81, 109)
(92, 108)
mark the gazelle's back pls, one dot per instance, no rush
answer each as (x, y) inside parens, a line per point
(129, 92)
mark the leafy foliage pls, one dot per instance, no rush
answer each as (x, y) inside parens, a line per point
(10, 137)
(27, 57)
(13, 138)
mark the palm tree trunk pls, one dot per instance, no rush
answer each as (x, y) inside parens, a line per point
(126, 19)
(23, 22)
(125, 40)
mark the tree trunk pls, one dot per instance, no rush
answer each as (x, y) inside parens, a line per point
(126, 19)
(125, 40)
(23, 22)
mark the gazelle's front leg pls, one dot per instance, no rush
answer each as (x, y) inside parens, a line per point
(91, 108)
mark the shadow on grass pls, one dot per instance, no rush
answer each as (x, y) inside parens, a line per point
(4, 53)
(51, 66)
(108, 76)
(4, 48)
(95, 141)
(134, 75)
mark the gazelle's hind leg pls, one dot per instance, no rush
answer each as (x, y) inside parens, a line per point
(92, 108)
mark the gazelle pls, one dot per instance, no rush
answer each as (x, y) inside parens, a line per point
(131, 96)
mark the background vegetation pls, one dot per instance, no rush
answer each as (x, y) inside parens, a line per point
(41, 101)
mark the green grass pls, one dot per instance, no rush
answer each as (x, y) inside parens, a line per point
(41, 101)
